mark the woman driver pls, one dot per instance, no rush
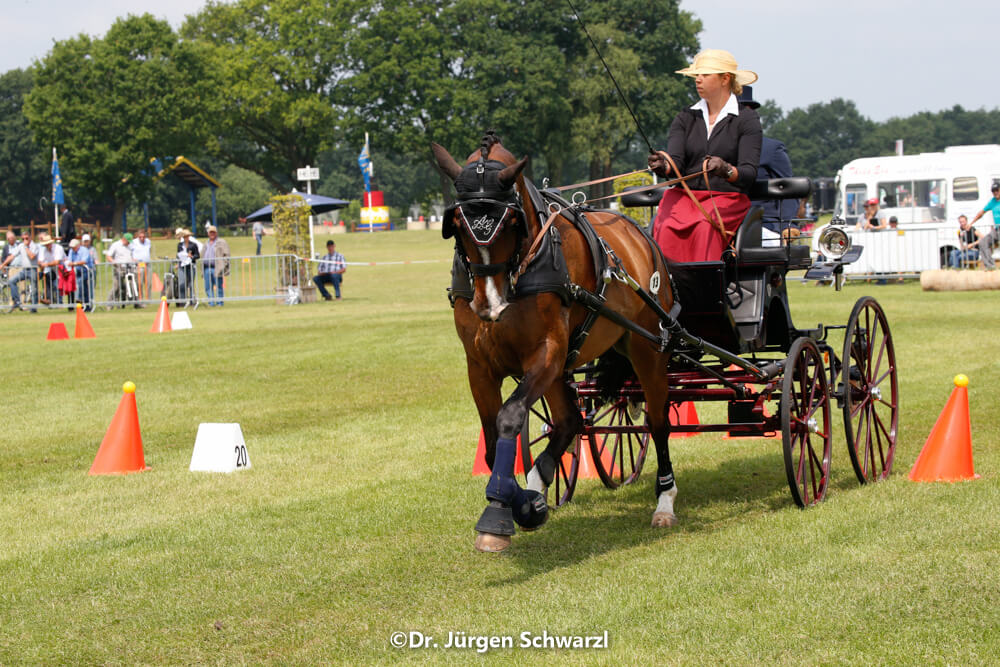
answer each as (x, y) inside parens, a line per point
(716, 135)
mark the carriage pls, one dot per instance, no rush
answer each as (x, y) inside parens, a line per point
(776, 379)
(607, 340)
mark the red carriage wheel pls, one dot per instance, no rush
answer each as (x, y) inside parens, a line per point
(534, 440)
(805, 423)
(871, 391)
(618, 456)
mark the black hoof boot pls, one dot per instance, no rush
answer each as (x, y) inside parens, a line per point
(496, 519)
(530, 509)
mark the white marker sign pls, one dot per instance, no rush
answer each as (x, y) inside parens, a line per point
(219, 448)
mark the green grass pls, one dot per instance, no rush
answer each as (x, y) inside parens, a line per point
(356, 519)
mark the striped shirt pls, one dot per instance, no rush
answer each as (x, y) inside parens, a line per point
(332, 263)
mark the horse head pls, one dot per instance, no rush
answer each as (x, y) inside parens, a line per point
(487, 220)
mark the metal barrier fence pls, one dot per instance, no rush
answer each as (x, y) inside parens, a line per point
(108, 285)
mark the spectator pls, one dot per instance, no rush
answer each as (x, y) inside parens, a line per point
(67, 275)
(968, 240)
(187, 258)
(331, 270)
(25, 259)
(81, 258)
(142, 253)
(67, 227)
(989, 238)
(215, 264)
(258, 233)
(774, 163)
(871, 220)
(49, 257)
(683, 227)
(894, 222)
(120, 256)
(7, 254)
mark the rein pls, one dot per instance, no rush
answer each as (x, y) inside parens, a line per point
(717, 220)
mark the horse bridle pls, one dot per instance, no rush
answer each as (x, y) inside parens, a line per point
(484, 212)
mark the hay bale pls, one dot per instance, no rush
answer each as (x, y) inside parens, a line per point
(959, 281)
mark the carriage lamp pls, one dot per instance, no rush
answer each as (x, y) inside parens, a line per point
(834, 241)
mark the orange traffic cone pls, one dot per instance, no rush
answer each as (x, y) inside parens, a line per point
(121, 450)
(162, 323)
(57, 331)
(479, 466)
(156, 283)
(683, 414)
(83, 328)
(947, 454)
(587, 469)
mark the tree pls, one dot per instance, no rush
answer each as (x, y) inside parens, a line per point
(110, 105)
(24, 174)
(824, 137)
(283, 63)
(242, 193)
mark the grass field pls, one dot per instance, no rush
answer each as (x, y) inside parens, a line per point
(356, 519)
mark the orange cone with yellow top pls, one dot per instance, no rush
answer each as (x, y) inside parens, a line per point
(121, 450)
(83, 328)
(162, 323)
(947, 454)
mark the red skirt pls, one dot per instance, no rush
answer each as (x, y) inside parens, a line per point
(682, 231)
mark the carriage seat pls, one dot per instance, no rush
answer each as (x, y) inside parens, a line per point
(749, 245)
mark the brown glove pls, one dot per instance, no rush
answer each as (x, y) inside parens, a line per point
(717, 166)
(657, 164)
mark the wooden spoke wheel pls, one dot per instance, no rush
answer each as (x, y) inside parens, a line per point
(618, 456)
(871, 391)
(534, 440)
(805, 423)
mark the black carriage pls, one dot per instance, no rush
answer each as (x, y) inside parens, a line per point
(738, 344)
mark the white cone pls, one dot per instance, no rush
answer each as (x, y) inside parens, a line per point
(219, 448)
(180, 320)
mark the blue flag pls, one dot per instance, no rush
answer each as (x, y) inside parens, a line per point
(367, 170)
(57, 189)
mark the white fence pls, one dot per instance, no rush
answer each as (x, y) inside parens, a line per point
(255, 277)
(895, 252)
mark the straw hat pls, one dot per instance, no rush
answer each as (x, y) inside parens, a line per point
(181, 232)
(716, 61)
(45, 239)
(75, 243)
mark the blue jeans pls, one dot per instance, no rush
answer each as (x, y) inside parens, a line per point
(324, 278)
(31, 275)
(959, 256)
(258, 237)
(213, 284)
(84, 288)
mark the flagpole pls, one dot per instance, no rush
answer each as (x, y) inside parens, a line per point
(55, 206)
(371, 175)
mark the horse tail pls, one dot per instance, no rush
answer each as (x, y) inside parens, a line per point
(610, 373)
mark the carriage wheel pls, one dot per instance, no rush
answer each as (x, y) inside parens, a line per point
(618, 457)
(805, 423)
(534, 440)
(871, 392)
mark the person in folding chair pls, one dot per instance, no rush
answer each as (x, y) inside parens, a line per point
(717, 144)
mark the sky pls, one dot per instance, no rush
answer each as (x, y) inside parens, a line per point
(891, 57)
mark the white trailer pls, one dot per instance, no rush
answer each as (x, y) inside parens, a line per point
(925, 192)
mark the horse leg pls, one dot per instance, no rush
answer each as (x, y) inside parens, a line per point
(652, 372)
(566, 423)
(508, 502)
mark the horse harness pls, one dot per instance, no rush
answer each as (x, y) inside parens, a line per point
(483, 208)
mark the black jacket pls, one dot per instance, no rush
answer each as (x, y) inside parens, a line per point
(736, 139)
(192, 247)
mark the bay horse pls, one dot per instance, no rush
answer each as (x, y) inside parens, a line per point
(496, 222)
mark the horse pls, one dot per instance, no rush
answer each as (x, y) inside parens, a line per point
(496, 224)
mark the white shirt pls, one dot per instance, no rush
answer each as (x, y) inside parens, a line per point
(731, 107)
(21, 255)
(52, 252)
(140, 250)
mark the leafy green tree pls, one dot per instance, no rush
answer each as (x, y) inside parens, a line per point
(242, 193)
(824, 136)
(24, 169)
(111, 104)
(283, 63)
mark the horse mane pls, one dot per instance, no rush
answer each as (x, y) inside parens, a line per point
(491, 148)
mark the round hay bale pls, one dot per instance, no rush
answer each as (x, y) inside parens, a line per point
(959, 281)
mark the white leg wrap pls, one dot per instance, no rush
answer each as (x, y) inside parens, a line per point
(535, 482)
